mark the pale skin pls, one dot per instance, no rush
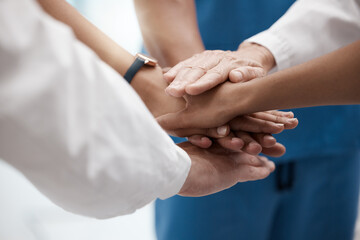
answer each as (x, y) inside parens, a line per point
(149, 84)
(332, 79)
(171, 34)
(212, 169)
(329, 80)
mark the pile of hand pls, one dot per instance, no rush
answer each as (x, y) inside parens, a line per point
(227, 145)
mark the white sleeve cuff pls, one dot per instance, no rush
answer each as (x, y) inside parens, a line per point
(277, 46)
(180, 173)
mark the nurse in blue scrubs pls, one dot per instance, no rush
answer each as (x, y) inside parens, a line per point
(312, 195)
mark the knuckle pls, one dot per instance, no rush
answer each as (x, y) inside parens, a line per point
(252, 160)
(251, 170)
(261, 72)
(216, 72)
(265, 126)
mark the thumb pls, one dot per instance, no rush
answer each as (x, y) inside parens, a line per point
(246, 73)
(165, 69)
(172, 121)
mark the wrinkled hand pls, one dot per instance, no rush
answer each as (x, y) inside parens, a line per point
(210, 68)
(251, 134)
(215, 169)
(212, 108)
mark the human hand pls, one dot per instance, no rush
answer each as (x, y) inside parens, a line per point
(253, 133)
(215, 169)
(210, 109)
(210, 68)
(150, 85)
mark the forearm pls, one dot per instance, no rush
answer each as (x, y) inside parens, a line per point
(169, 29)
(332, 79)
(148, 82)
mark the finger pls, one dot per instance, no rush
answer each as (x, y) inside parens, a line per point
(213, 77)
(242, 158)
(177, 86)
(251, 146)
(200, 141)
(170, 75)
(218, 132)
(252, 173)
(192, 70)
(277, 150)
(281, 113)
(265, 140)
(165, 69)
(289, 123)
(172, 121)
(231, 142)
(246, 73)
(186, 77)
(268, 163)
(255, 125)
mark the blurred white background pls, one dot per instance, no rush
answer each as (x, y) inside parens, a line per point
(25, 214)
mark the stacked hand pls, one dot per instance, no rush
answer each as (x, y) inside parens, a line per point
(216, 169)
(199, 104)
(198, 119)
(202, 81)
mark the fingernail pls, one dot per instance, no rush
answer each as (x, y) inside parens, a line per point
(203, 139)
(238, 75)
(239, 141)
(279, 124)
(292, 120)
(269, 138)
(290, 114)
(222, 130)
(254, 145)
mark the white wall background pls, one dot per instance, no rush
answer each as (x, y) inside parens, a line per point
(25, 214)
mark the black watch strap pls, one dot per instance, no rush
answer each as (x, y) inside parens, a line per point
(133, 69)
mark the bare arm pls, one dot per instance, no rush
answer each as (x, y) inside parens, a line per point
(333, 79)
(148, 82)
(169, 29)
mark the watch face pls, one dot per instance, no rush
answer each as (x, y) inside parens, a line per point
(147, 60)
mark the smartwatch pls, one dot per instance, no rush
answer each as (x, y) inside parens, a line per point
(140, 60)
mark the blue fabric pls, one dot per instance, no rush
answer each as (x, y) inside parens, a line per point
(322, 130)
(322, 204)
(323, 201)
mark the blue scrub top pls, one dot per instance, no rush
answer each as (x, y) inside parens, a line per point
(322, 130)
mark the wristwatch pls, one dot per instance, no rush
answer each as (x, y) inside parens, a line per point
(140, 60)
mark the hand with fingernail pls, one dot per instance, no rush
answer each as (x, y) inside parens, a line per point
(208, 69)
(254, 137)
(253, 133)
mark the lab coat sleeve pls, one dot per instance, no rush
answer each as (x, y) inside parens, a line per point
(311, 28)
(73, 126)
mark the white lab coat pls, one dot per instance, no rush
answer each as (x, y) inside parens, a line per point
(311, 28)
(73, 126)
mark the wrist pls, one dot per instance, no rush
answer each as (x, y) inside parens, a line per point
(259, 53)
(150, 86)
(235, 105)
(245, 98)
